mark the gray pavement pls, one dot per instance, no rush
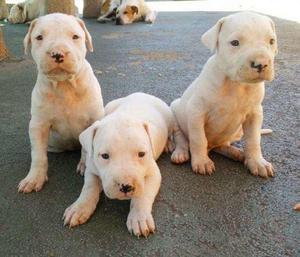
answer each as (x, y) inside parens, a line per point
(230, 213)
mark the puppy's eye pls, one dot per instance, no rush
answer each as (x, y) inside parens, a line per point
(105, 156)
(272, 41)
(75, 37)
(235, 43)
(39, 37)
(141, 154)
(125, 12)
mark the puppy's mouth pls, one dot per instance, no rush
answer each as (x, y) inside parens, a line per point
(59, 73)
(254, 77)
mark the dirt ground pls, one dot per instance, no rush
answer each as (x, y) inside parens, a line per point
(230, 213)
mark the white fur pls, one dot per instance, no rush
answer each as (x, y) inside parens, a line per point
(133, 124)
(27, 11)
(224, 102)
(66, 98)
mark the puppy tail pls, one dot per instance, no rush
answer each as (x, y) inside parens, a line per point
(266, 131)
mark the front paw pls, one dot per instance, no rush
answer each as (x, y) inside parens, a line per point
(77, 214)
(140, 223)
(260, 167)
(180, 155)
(150, 18)
(32, 183)
(203, 165)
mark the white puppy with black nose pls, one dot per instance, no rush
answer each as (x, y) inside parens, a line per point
(122, 150)
(225, 102)
(66, 98)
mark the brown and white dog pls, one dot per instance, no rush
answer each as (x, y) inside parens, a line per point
(126, 11)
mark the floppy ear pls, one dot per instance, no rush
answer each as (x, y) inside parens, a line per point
(27, 39)
(210, 37)
(88, 38)
(134, 9)
(21, 6)
(87, 136)
(150, 131)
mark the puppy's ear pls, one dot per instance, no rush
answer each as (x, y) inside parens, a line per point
(87, 136)
(210, 37)
(134, 9)
(27, 39)
(88, 38)
(21, 6)
(150, 131)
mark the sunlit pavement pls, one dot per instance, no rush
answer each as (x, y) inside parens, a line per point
(230, 213)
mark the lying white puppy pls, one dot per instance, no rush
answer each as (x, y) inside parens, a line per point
(66, 98)
(134, 10)
(224, 102)
(27, 11)
(121, 153)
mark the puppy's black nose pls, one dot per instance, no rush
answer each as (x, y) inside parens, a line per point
(59, 58)
(118, 21)
(259, 67)
(126, 188)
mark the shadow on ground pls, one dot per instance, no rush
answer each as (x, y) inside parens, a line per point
(230, 213)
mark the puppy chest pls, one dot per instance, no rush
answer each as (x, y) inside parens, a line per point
(70, 114)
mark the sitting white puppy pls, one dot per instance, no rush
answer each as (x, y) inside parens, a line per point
(66, 98)
(225, 101)
(134, 10)
(27, 11)
(122, 150)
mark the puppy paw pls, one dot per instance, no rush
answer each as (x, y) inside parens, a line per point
(180, 155)
(150, 18)
(140, 223)
(32, 183)
(260, 167)
(81, 167)
(203, 166)
(77, 214)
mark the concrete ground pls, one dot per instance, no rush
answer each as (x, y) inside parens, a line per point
(230, 213)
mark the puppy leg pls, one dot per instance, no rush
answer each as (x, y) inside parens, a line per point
(181, 152)
(231, 152)
(103, 18)
(140, 220)
(254, 160)
(37, 176)
(150, 15)
(81, 165)
(82, 209)
(201, 163)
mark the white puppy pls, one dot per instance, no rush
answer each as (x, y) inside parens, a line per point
(27, 11)
(224, 102)
(134, 10)
(122, 150)
(66, 98)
